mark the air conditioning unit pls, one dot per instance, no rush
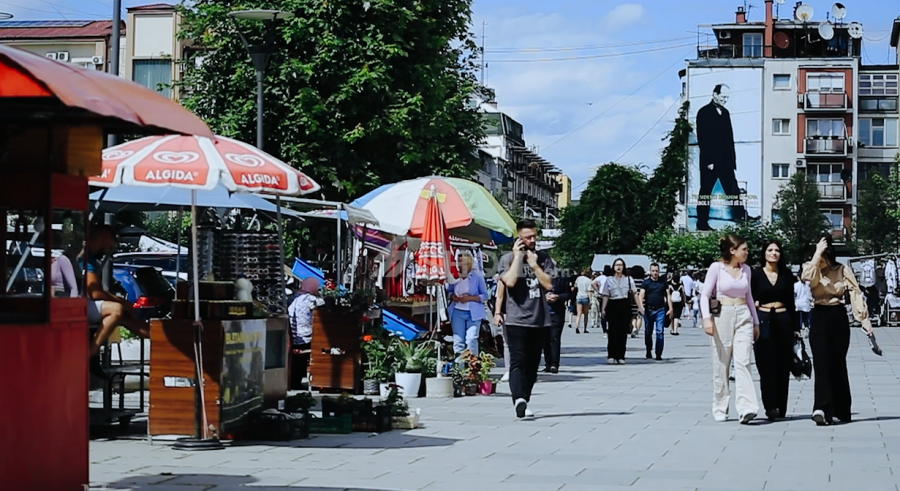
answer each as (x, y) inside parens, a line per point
(52, 56)
(800, 164)
(62, 56)
(850, 142)
(801, 99)
(724, 34)
(97, 60)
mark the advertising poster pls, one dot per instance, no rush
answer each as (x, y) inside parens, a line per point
(725, 167)
(242, 376)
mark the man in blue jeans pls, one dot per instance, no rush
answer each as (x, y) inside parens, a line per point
(654, 292)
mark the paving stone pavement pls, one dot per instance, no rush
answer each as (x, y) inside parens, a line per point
(642, 426)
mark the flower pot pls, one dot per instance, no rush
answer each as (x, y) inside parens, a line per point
(438, 388)
(472, 389)
(493, 386)
(409, 422)
(409, 384)
(370, 387)
(485, 387)
(458, 391)
(385, 389)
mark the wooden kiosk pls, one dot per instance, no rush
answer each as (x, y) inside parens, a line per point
(52, 121)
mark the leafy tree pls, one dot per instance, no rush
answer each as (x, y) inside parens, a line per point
(604, 219)
(878, 214)
(659, 203)
(799, 219)
(758, 234)
(357, 93)
(678, 250)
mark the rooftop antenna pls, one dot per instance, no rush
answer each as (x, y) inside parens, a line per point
(855, 29)
(826, 31)
(778, 4)
(838, 11)
(483, 64)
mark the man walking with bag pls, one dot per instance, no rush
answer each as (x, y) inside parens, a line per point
(654, 293)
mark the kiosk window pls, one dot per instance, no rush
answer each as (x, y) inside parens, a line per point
(22, 271)
(66, 275)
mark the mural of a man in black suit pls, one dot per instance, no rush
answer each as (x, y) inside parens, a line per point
(718, 161)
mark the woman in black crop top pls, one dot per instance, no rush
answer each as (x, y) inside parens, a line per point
(773, 291)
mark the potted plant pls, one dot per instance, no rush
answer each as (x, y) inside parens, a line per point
(376, 363)
(401, 417)
(300, 403)
(485, 364)
(458, 375)
(409, 361)
(473, 373)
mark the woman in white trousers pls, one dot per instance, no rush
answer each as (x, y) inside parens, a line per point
(730, 318)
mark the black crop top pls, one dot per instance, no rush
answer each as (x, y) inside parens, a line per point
(764, 292)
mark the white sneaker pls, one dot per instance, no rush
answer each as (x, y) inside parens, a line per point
(529, 413)
(610, 361)
(720, 418)
(819, 417)
(747, 418)
(521, 408)
(505, 377)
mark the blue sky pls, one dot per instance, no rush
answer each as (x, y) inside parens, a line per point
(591, 108)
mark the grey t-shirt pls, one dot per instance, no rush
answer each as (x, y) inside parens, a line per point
(526, 304)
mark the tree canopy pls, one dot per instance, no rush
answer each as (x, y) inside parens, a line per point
(357, 94)
(799, 219)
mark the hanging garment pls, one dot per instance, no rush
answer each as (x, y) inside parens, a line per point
(890, 275)
(867, 278)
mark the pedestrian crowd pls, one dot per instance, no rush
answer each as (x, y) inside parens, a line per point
(756, 315)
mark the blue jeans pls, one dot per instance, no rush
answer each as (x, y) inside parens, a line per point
(654, 321)
(465, 331)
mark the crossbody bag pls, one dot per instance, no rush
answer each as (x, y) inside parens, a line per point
(715, 306)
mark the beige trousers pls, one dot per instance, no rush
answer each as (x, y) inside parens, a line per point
(733, 338)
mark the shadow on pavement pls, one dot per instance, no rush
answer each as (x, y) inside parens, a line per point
(207, 481)
(558, 377)
(577, 415)
(389, 440)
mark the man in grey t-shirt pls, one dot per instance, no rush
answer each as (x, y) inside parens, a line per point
(528, 276)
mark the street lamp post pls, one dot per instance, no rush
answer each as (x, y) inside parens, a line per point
(259, 55)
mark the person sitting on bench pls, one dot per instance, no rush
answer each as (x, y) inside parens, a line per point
(103, 307)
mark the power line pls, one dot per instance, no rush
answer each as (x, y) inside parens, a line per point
(610, 108)
(57, 7)
(647, 132)
(581, 48)
(591, 57)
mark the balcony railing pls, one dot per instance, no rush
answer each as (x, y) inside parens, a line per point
(826, 146)
(826, 101)
(832, 191)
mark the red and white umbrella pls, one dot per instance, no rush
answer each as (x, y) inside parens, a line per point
(431, 261)
(199, 163)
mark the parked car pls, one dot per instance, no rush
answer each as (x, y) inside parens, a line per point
(145, 288)
(166, 262)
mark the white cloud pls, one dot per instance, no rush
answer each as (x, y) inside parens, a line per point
(623, 15)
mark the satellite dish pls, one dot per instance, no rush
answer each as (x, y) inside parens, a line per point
(782, 40)
(804, 13)
(855, 29)
(838, 11)
(779, 2)
(826, 31)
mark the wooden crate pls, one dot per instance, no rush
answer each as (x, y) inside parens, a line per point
(336, 372)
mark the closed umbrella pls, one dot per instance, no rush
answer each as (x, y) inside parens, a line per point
(431, 261)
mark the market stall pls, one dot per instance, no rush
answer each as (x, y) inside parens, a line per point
(223, 354)
(52, 120)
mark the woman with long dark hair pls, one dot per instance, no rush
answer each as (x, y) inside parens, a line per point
(679, 296)
(617, 292)
(730, 319)
(829, 332)
(773, 290)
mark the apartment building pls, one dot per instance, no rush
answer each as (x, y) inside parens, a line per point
(796, 98)
(82, 42)
(515, 174)
(152, 51)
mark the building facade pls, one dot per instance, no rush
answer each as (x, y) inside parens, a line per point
(152, 50)
(516, 175)
(82, 42)
(797, 99)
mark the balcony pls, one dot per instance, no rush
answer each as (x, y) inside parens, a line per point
(829, 146)
(832, 191)
(826, 101)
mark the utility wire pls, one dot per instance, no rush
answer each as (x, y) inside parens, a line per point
(663, 115)
(57, 7)
(591, 57)
(579, 48)
(620, 101)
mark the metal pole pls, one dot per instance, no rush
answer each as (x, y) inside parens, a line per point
(114, 37)
(180, 221)
(260, 78)
(337, 249)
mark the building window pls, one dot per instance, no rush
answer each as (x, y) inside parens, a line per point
(493, 124)
(878, 84)
(869, 169)
(781, 82)
(878, 104)
(825, 82)
(154, 74)
(835, 219)
(753, 45)
(824, 173)
(825, 128)
(878, 132)
(781, 171)
(781, 126)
